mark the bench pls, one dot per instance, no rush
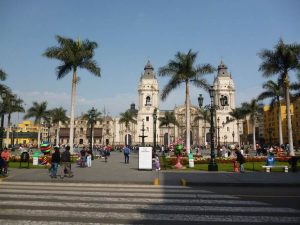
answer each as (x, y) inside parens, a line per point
(268, 168)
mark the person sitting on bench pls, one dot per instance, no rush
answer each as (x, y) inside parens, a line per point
(270, 160)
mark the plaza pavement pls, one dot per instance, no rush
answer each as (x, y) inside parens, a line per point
(116, 172)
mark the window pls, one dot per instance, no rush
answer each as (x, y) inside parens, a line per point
(148, 101)
(107, 131)
(147, 118)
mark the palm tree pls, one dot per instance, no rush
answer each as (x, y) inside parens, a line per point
(237, 115)
(295, 86)
(58, 116)
(127, 118)
(12, 104)
(97, 117)
(74, 55)
(39, 113)
(2, 75)
(205, 116)
(169, 118)
(252, 108)
(183, 70)
(283, 59)
(275, 92)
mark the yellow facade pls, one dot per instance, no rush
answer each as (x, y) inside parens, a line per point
(24, 133)
(271, 125)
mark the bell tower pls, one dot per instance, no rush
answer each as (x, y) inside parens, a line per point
(227, 133)
(148, 92)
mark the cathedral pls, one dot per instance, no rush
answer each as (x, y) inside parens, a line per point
(109, 131)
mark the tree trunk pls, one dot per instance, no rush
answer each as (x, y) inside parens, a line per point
(204, 133)
(187, 113)
(39, 135)
(57, 135)
(279, 122)
(288, 116)
(8, 129)
(168, 136)
(253, 133)
(71, 141)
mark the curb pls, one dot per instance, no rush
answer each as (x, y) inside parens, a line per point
(216, 184)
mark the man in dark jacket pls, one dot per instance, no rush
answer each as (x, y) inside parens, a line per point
(240, 158)
(66, 163)
(55, 160)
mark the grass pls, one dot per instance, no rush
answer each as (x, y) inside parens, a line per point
(227, 167)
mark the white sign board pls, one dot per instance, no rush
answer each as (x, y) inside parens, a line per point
(145, 158)
(35, 161)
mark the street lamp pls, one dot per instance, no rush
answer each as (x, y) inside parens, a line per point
(92, 114)
(154, 128)
(233, 137)
(212, 166)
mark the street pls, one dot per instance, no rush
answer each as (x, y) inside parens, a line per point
(38, 203)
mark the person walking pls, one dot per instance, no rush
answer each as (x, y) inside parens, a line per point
(66, 163)
(5, 155)
(89, 158)
(126, 152)
(240, 158)
(55, 160)
(83, 157)
(106, 153)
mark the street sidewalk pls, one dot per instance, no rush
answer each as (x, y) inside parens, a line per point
(116, 172)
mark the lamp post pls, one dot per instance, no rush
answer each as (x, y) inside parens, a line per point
(212, 166)
(232, 137)
(154, 128)
(91, 114)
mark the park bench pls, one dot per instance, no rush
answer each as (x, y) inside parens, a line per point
(268, 168)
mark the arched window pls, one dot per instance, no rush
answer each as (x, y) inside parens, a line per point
(148, 103)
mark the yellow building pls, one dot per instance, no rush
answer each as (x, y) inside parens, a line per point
(25, 133)
(271, 132)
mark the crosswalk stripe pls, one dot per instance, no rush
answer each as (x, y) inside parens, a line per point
(148, 216)
(118, 194)
(134, 200)
(83, 203)
(160, 207)
(85, 188)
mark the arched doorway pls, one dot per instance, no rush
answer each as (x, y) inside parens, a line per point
(128, 140)
(166, 138)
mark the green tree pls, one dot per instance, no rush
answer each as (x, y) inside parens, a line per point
(274, 91)
(127, 118)
(12, 104)
(183, 70)
(3, 75)
(237, 114)
(74, 55)
(91, 121)
(295, 86)
(39, 113)
(252, 109)
(58, 116)
(280, 61)
(166, 120)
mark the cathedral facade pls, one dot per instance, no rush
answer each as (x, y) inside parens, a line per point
(109, 131)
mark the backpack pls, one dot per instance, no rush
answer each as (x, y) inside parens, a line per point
(126, 151)
(65, 157)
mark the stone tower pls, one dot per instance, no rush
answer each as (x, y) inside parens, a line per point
(226, 133)
(148, 92)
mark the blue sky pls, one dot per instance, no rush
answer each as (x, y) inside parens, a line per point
(130, 32)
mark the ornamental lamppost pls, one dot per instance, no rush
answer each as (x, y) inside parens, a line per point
(92, 115)
(212, 166)
(218, 121)
(154, 128)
